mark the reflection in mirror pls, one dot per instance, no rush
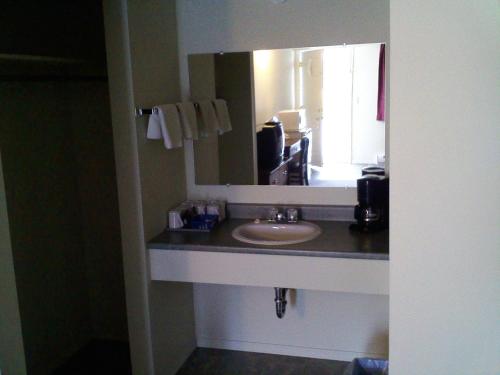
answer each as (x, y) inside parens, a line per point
(229, 157)
(306, 116)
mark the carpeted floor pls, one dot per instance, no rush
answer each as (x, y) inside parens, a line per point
(228, 362)
(110, 357)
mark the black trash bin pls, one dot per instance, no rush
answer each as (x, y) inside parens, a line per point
(368, 366)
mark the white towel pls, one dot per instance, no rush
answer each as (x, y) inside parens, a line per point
(154, 129)
(222, 115)
(187, 114)
(165, 118)
(209, 122)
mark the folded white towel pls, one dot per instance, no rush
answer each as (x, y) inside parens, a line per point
(154, 129)
(209, 123)
(187, 114)
(222, 115)
(166, 119)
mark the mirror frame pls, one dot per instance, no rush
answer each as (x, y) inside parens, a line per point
(274, 194)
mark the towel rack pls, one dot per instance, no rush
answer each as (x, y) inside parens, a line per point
(139, 112)
(144, 111)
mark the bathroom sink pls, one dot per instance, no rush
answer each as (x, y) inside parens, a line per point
(260, 233)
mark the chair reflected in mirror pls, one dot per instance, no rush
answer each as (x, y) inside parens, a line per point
(297, 173)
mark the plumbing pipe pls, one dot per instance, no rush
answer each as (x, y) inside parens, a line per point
(280, 301)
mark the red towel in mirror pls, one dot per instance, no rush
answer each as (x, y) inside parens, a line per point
(381, 85)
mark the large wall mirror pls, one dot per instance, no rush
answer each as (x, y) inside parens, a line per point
(303, 116)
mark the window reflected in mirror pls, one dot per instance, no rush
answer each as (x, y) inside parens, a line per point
(304, 116)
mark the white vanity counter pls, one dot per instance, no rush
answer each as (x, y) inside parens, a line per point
(337, 260)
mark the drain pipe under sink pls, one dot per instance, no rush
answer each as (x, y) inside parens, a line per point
(280, 301)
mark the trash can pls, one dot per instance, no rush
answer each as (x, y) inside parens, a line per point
(368, 366)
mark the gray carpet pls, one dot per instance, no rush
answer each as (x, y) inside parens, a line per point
(228, 362)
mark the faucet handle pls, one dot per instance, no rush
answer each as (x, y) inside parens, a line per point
(272, 214)
(292, 215)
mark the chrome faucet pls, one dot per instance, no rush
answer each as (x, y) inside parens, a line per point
(274, 215)
(280, 301)
(292, 215)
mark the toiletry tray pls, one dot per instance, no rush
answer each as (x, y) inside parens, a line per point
(199, 223)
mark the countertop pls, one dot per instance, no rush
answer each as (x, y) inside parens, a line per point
(335, 241)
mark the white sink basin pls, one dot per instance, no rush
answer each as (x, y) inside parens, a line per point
(276, 233)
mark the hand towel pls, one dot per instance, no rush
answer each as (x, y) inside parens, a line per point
(154, 129)
(209, 123)
(166, 118)
(187, 114)
(222, 115)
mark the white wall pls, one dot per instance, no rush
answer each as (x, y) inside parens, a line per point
(445, 176)
(141, 45)
(239, 25)
(273, 72)
(317, 324)
(127, 175)
(155, 79)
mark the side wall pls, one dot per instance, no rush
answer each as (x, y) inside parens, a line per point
(236, 148)
(59, 174)
(90, 119)
(12, 360)
(445, 219)
(205, 150)
(128, 181)
(155, 79)
(43, 204)
(57, 151)
(141, 44)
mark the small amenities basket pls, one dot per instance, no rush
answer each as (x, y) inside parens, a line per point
(203, 222)
(196, 216)
(368, 366)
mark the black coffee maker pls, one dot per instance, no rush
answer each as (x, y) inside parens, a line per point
(372, 211)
